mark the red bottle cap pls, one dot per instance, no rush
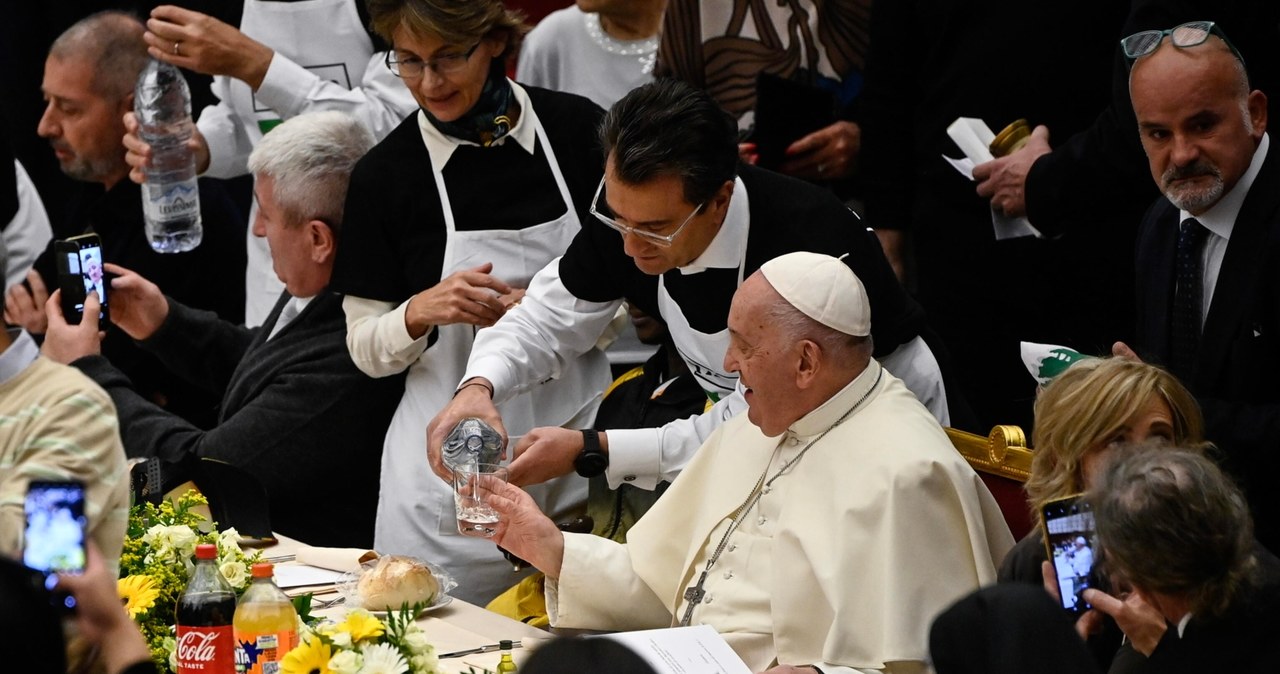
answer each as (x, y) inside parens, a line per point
(206, 551)
(263, 570)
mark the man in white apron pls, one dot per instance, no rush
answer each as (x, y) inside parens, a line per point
(693, 224)
(286, 59)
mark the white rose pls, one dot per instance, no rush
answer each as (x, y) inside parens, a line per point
(423, 664)
(417, 642)
(160, 540)
(229, 541)
(345, 662)
(171, 645)
(341, 639)
(235, 573)
(183, 538)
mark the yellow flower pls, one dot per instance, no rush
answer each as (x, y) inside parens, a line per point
(361, 625)
(138, 592)
(312, 657)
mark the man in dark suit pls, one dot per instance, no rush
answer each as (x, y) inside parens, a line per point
(1208, 302)
(295, 411)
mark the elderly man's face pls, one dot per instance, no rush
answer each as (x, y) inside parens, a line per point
(658, 206)
(84, 127)
(765, 362)
(1197, 127)
(94, 269)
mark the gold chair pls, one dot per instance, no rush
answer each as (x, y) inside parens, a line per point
(1003, 460)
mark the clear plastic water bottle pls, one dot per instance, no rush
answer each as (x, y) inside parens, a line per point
(472, 441)
(170, 196)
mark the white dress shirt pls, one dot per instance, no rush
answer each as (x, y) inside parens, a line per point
(1220, 220)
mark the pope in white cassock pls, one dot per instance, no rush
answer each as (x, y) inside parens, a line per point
(824, 530)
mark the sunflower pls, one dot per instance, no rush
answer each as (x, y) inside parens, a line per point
(312, 657)
(361, 625)
(139, 593)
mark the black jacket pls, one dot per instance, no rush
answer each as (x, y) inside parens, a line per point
(295, 412)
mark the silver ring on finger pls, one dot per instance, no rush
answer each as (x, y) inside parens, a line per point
(175, 49)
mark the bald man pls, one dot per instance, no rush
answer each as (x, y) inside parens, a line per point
(1209, 250)
(821, 529)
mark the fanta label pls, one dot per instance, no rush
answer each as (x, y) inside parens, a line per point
(261, 653)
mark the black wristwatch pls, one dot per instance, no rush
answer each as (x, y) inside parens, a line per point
(592, 461)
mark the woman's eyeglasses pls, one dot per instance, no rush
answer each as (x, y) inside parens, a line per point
(412, 68)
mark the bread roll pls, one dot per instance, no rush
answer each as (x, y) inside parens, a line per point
(397, 581)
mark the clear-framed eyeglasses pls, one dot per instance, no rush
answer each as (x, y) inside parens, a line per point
(652, 237)
(411, 68)
(1190, 34)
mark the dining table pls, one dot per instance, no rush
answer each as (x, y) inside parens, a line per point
(452, 627)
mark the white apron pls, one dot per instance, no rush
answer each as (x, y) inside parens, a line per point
(703, 352)
(415, 507)
(341, 56)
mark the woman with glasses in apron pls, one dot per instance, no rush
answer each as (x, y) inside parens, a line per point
(447, 220)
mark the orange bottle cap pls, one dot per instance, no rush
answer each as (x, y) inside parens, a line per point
(263, 570)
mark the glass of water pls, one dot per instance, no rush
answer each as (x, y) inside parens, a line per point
(472, 484)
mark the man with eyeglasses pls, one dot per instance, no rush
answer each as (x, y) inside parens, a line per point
(679, 224)
(1208, 296)
(1105, 160)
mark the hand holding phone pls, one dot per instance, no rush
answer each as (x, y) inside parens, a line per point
(1068, 531)
(64, 343)
(80, 272)
(54, 539)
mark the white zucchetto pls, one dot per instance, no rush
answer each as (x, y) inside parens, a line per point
(822, 288)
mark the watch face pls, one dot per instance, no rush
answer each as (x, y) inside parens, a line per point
(591, 464)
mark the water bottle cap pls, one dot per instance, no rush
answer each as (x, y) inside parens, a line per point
(206, 551)
(263, 570)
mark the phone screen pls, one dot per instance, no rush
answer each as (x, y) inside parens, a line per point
(1069, 538)
(80, 272)
(55, 533)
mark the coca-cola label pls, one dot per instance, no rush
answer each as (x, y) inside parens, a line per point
(207, 650)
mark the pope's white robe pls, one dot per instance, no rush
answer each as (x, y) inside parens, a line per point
(882, 525)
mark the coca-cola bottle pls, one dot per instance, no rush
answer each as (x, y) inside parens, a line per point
(206, 640)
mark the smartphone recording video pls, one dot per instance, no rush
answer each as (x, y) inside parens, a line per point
(54, 541)
(1069, 541)
(80, 272)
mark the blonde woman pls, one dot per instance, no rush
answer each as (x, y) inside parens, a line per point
(1095, 405)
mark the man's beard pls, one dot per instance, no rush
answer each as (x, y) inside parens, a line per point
(1193, 198)
(87, 170)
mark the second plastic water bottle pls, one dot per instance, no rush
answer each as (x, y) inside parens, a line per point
(170, 195)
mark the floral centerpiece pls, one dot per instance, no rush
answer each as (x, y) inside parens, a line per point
(363, 644)
(158, 557)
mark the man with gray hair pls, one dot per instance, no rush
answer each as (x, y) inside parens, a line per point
(821, 529)
(295, 410)
(1205, 596)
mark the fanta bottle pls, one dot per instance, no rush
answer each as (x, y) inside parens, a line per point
(266, 625)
